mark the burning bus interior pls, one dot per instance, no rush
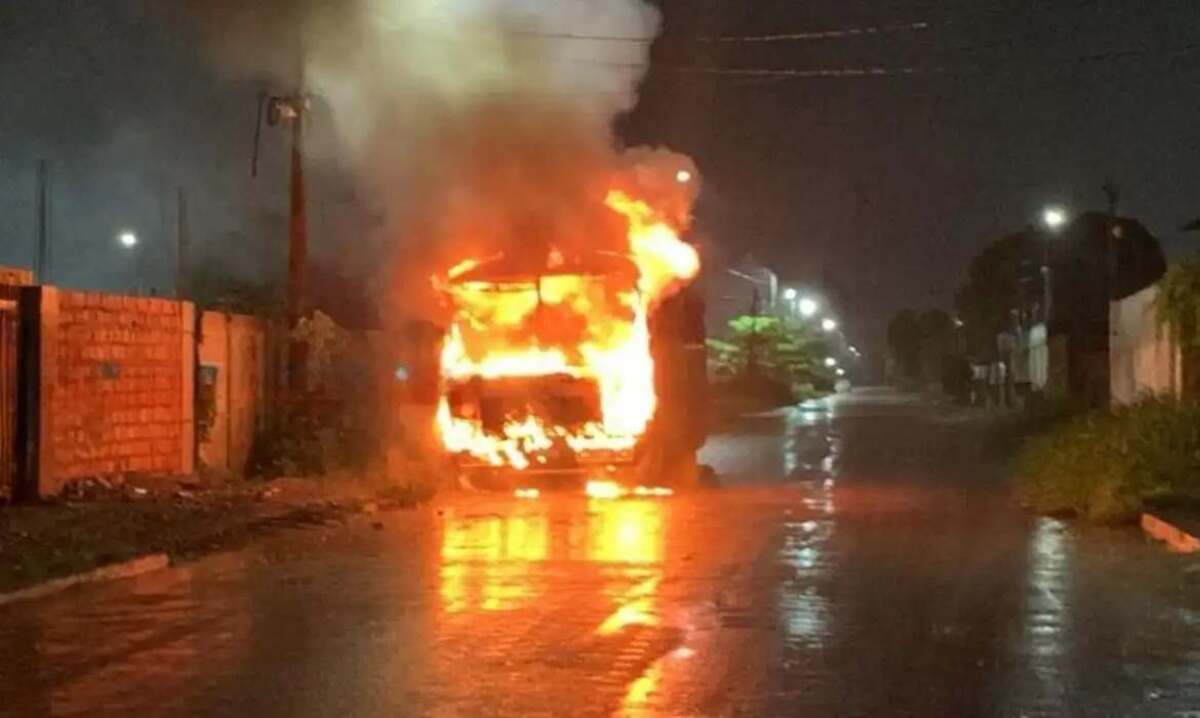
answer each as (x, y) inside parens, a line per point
(546, 365)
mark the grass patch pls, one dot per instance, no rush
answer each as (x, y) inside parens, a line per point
(1104, 465)
(42, 542)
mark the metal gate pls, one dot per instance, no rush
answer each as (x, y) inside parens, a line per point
(9, 354)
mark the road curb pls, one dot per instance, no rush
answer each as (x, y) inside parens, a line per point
(1177, 540)
(111, 572)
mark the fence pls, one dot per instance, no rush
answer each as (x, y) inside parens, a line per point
(109, 386)
(9, 345)
(100, 385)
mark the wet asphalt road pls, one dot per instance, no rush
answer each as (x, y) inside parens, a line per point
(862, 559)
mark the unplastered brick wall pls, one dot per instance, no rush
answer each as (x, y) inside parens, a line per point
(117, 384)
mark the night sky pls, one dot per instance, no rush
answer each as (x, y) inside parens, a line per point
(888, 183)
(891, 184)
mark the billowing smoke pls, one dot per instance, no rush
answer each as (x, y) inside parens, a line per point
(478, 125)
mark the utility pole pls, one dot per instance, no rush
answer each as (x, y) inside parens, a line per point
(182, 246)
(1112, 195)
(42, 260)
(297, 249)
(290, 109)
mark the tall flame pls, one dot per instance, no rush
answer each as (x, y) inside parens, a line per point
(569, 324)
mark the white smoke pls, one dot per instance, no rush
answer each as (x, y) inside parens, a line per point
(476, 124)
(393, 69)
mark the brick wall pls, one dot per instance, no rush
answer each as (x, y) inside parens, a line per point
(116, 387)
(16, 276)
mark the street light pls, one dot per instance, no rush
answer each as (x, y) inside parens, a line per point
(129, 241)
(789, 294)
(841, 372)
(829, 325)
(808, 307)
(830, 362)
(1054, 217)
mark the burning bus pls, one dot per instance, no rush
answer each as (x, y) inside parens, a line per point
(576, 366)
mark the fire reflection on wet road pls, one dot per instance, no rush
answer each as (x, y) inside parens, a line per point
(864, 560)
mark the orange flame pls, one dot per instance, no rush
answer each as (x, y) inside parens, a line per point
(562, 324)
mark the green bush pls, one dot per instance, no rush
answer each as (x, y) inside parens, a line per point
(1104, 464)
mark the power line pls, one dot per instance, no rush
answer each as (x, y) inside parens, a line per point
(836, 34)
(801, 73)
(538, 35)
(803, 35)
(967, 67)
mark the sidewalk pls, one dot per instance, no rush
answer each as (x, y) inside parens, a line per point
(101, 523)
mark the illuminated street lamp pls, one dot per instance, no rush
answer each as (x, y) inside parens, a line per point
(841, 372)
(829, 325)
(808, 307)
(830, 362)
(789, 294)
(129, 242)
(1054, 217)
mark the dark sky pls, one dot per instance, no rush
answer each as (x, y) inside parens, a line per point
(889, 183)
(892, 184)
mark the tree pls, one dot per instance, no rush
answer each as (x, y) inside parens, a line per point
(935, 325)
(925, 351)
(1099, 257)
(1002, 281)
(761, 347)
(904, 339)
(1177, 308)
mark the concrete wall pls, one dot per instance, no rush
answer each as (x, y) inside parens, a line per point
(115, 387)
(1144, 360)
(232, 388)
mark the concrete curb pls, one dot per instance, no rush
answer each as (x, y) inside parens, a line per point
(1177, 540)
(113, 571)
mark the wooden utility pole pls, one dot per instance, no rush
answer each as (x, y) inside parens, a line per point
(297, 249)
(1113, 234)
(42, 260)
(291, 109)
(1112, 195)
(183, 246)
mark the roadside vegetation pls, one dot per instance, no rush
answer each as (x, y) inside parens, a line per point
(96, 523)
(764, 361)
(1178, 311)
(1105, 465)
